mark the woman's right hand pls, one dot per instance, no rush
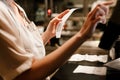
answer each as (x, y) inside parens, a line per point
(89, 25)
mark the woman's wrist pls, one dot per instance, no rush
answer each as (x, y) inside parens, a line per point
(80, 38)
(45, 37)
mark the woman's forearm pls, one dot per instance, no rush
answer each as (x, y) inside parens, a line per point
(46, 66)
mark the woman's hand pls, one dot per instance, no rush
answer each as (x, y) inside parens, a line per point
(91, 22)
(51, 29)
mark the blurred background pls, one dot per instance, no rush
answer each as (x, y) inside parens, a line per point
(42, 11)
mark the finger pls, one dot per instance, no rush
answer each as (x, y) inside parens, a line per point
(63, 13)
(100, 12)
(54, 21)
(104, 5)
(93, 12)
(107, 3)
(97, 19)
(105, 8)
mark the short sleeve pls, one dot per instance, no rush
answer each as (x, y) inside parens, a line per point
(14, 59)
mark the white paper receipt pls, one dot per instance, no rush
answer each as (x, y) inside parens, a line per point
(114, 64)
(62, 23)
(90, 70)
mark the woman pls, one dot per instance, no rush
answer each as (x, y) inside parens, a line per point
(22, 54)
